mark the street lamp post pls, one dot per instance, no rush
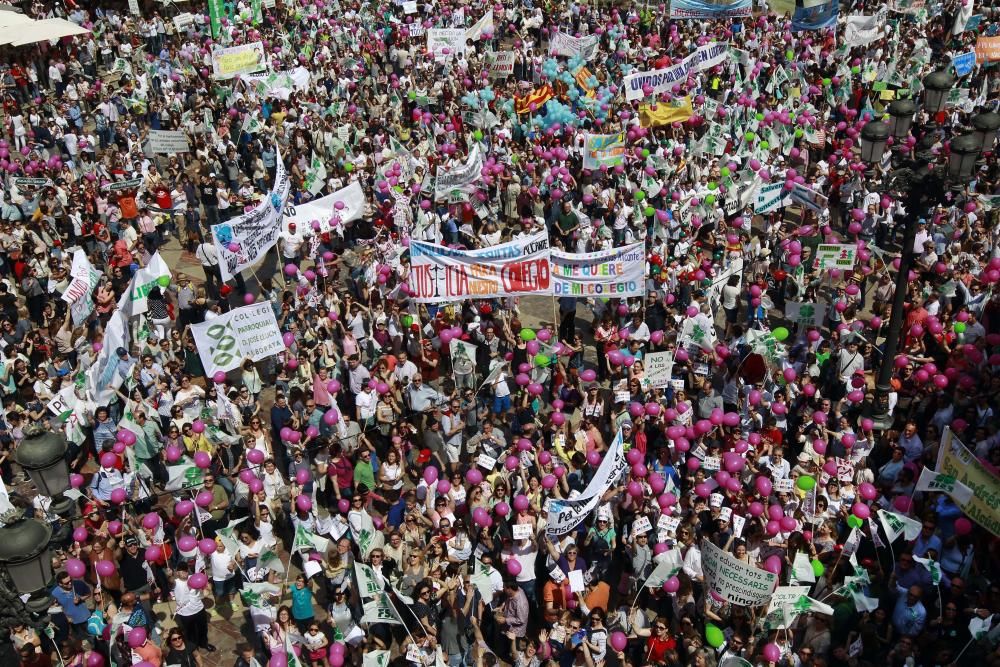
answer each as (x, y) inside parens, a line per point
(923, 185)
(24, 542)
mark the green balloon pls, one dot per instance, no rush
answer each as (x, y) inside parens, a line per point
(407, 320)
(789, 54)
(725, 171)
(412, 95)
(856, 69)
(514, 158)
(749, 136)
(780, 333)
(806, 483)
(959, 327)
(759, 116)
(854, 522)
(818, 568)
(649, 211)
(163, 281)
(640, 195)
(710, 199)
(541, 360)
(765, 145)
(645, 152)
(712, 185)
(714, 636)
(478, 135)
(527, 334)
(798, 133)
(348, 167)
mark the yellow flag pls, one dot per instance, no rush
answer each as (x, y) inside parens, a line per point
(664, 114)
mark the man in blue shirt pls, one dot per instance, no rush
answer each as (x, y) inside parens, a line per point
(910, 615)
(72, 596)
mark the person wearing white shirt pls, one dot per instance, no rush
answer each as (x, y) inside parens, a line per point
(190, 614)
(777, 464)
(223, 573)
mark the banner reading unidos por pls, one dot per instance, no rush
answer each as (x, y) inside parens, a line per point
(510, 269)
(618, 272)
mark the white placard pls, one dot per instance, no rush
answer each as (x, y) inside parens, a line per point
(783, 485)
(733, 580)
(659, 369)
(248, 332)
(168, 141)
(410, 7)
(522, 531)
(576, 583)
(486, 461)
(738, 523)
(641, 525)
(440, 40)
(668, 523)
(712, 463)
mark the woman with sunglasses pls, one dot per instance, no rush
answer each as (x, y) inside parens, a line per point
(597, 635)
(658, 641)
(179, 652)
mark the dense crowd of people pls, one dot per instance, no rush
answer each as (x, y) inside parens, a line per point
(437, 482)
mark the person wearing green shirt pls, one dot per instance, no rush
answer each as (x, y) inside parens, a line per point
(148, 445)
(364, 471)
(567, 222)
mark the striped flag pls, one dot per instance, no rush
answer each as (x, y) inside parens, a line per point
(538, 97)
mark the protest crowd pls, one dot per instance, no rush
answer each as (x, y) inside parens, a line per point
(542, 334)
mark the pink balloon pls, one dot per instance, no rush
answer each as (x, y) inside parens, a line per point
(514, 567)
(76, 568)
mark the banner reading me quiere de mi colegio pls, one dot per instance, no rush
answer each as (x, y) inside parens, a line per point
(616, 273)
(510, 269)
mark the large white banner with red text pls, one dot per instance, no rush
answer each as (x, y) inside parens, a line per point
(440, 274)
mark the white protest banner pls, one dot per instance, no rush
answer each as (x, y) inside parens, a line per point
(733, 580)
(809, 314)
(618, 272)
(183, 20)
(442, 274)
(236, 60)
(603, 149)
(955, 459)
(410, 7)
(445, 42)
(134, 300)
(662, 80)
(461, 178)
(563, 44)
(863, 30)
(243, 241)
(565, 515)
(24, 183)
(500, 63)
(783, 595)
(247, 332)
(835, 256)
(103, 377)
(483, 26)
(79, 294)
(168, 141)
(659, 369)
(808, 197)
(352, 196)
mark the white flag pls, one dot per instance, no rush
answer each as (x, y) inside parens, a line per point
(898, 524)
(942, 483)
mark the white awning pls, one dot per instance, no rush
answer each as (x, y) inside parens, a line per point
(38, 31)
